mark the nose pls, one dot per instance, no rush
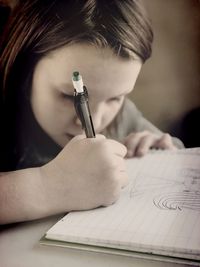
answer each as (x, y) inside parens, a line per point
(97, 112)
(77, 121)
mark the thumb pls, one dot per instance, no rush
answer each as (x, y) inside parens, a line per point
(82, 137)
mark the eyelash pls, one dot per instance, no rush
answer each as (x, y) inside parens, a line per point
(117, 99)
(66, 96)
(71, 98)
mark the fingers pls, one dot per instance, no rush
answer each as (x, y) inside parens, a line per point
(97, 170)
(117, 148)
(131, 142)
(124, 179)
(121, 173)
(107, 144)
(118, 185)
(138, 144)
(82, 136)
(165, 142)
(77, 137)
(145, 144)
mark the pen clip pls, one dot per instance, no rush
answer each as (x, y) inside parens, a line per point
(81, 105)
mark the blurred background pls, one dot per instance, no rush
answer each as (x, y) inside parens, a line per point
(168, 88)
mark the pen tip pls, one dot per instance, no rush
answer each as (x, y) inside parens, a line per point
(76, 76)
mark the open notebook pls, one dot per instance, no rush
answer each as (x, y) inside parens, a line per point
(157, 213)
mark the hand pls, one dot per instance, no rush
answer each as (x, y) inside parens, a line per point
(88, 172)
(138, 144)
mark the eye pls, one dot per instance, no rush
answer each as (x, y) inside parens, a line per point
(115, 99)
(66, 96)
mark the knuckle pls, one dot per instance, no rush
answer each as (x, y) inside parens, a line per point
(100, 137)
(129, 137)
(111, 199)
(124, 149)
(166, 139)
(146, 132)
(131, 141)
(166, 136)
(104, 146)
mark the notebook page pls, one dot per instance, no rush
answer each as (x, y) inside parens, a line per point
(158, 212)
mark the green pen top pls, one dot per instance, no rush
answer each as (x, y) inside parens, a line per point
(77, 82)
(76, 76)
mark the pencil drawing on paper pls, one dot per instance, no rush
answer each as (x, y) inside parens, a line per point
(176, 200)
(170, 193)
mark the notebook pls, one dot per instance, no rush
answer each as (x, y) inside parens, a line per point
(158, 213)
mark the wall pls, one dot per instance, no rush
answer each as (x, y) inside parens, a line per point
(169, 84)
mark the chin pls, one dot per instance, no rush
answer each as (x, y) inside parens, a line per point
(63, 140)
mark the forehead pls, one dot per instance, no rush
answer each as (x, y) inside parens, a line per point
(100, 68)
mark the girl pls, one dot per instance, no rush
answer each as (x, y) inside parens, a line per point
(47, 164)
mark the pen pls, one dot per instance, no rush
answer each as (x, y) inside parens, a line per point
(81, 105)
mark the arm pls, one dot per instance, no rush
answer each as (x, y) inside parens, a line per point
(22, 196)
(86, 174)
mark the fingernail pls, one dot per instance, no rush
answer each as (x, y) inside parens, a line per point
(141, 152)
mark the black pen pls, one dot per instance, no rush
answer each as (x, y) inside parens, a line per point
(81, 105)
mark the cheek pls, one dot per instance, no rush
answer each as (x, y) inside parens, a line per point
(51, 111)
(43, 108)
(112, 110)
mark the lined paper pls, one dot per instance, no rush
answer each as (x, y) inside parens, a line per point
(158, 212)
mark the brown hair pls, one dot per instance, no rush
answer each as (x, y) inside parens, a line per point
(37, 27)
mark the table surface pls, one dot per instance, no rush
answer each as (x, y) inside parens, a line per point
(20, 247)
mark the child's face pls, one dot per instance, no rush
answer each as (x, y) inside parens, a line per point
(107, 78)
